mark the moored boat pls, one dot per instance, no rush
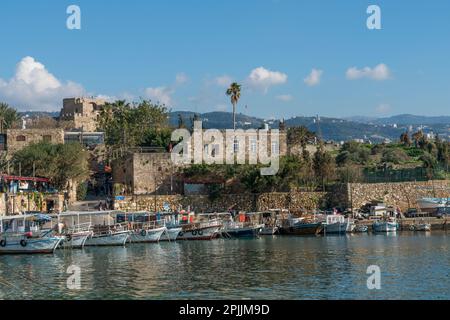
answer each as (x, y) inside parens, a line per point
(337, 224)
(360, 228)
(389, 225)
(147, 234)
(22, 234)
(200, 230)
(301, 226)
(108, 236)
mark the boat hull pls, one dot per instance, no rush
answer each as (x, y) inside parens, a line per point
(171, 234)
(384, 227)
(336, 228)
(245, 232)
(302, 229)
(147, 236)
(207, 233)
(113, 239)
(30, 246)
(75, 241)
(268, 231)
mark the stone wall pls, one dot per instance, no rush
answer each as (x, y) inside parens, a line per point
(402, 194)
(11, 204)
(295, 201)
(17, 139)
(147, 173)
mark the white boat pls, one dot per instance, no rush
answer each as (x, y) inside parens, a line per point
(337, 224)
(22, 235)
(201, 230)
(432, 204)
(385, 226)
(108, 237)
(360, 228)
(422, 226)
(269, 231)
(171, 234)
(242, 229)
(75, 237)
(147, 234)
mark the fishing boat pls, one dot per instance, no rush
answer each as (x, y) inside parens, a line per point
(116, 235)
(269, 230)
(105, 230)
(387, 225)
(360, 228)
(421, 226)
(301, 226)
(146, 232)
(247, 225)
(242, 229)
(74, 232)
(173, 228)
(76, 236)
(200, 230)
(22, 234)
(336, 224)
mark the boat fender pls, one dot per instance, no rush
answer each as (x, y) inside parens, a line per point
(23, 243)
(143, 233)
(68, 237)
(200, 232)
(180, 234)
(194, 233)
(3, 243)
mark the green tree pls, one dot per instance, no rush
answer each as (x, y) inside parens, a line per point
(58, 162)
(8, 116)
(234, 92)
(300, 136)
(131, 125)
(324, 166)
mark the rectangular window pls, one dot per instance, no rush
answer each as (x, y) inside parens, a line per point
(253, 144)
(236, 146)
(47, 138)
(275, 149)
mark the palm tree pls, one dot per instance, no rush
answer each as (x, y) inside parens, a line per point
(234, 91)
(8, 116)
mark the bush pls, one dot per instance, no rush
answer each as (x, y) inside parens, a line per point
(82, 191)
(395, 156)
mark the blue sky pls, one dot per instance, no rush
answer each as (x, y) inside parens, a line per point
(184, 52)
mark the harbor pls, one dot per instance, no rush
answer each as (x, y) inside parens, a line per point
(273, 267)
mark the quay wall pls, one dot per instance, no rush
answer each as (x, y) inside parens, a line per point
(404, 195)
(401, 194)
(295, 201)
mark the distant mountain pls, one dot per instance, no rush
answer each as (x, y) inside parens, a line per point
(330, 128)
(409, 119)
(217, 120)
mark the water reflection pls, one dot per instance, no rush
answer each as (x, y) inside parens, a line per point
(413, 266)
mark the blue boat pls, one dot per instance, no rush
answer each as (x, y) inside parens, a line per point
(241, 230)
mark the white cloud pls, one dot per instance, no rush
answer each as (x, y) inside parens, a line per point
(181, 78)
(285, 97)
(263, 78)
(160, 94)
(379, 72)
(223, 81)
(383, 108)
(33, 87)
(313, 79)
